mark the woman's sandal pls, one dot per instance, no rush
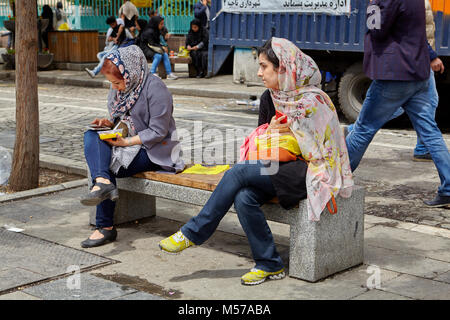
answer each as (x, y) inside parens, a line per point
(106, 191)
(108, 236)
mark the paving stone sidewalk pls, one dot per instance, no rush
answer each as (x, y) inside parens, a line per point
(402, 260)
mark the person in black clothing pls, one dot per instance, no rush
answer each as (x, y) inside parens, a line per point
(118, 34)
(47, 13)
(141, 25)
(197, 44)
(151, 38)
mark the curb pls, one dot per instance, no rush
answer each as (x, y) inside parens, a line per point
(175, 90)
(41, 191)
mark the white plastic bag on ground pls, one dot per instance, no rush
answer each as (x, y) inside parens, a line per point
(5, 165)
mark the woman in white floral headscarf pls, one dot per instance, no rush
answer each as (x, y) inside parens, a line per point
(292, 79)
(315, 124)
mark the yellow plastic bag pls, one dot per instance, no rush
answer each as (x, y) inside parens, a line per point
(183, 52)
(199, 169)
(142, 3)
(64, 27)
(287, 142)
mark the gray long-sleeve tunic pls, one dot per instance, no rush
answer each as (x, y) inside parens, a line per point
(155, 125)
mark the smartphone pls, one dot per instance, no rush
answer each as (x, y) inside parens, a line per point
(279, 114)
(97, 128)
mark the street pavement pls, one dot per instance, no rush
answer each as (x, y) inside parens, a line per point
(408, 243)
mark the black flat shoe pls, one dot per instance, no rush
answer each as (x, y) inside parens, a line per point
(438, 202)
(107, 191)
(423, 158)
(108, 236)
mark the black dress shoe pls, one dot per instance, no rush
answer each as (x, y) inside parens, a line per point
(107, 191)
(423, 157)
(108, 236)
(438, 202)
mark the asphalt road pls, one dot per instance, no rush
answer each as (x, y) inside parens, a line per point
(212, 131)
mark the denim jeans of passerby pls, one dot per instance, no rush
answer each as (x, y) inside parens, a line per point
(248, 189)
(101, 57)
(383, 99)
(433, 97)
(98, 157)
(157, 59)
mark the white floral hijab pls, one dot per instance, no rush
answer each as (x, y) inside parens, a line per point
(315, 125)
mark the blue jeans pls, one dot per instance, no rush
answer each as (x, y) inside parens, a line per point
(101, 57)
(98, 157)
(157, 59)
(433, 97)
(244, 185)
(383, 99)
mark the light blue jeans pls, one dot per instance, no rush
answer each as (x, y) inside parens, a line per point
(157, 59)
(383, 99)
(433, 97)
(101, 57)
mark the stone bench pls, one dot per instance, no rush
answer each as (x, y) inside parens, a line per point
(317, 249)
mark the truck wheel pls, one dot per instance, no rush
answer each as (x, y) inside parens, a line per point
(352, 91)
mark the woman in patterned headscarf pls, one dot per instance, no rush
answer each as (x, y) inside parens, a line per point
(292, 79)
(141, 104)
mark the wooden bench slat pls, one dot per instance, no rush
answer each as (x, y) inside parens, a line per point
(198, 181)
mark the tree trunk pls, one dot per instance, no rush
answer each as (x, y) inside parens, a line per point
(25, 167)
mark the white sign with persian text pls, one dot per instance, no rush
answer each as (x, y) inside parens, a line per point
(335, 7)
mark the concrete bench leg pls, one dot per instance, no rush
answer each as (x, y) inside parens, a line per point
(130, 207)
(333, 244)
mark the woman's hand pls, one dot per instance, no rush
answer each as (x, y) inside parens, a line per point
(120, 141)
(102, 122)
(276, 125)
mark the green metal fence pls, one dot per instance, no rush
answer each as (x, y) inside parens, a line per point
(92, 14)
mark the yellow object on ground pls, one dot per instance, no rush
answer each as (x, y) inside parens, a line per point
(199, 169)
(175, 243)
(286, 142)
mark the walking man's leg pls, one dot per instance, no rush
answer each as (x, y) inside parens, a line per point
(421, 153)
(383, 99)
(421, 113)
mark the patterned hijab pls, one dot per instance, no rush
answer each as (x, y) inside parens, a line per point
(133, 66)
(315, 125)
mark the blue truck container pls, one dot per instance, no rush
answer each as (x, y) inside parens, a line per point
(335, 42)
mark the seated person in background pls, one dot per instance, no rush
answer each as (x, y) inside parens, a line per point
(165, 35)
(47, 13)
(151, 37)
(129, 13)
(143, 104)
(197, 44)
(141, 24)
(116, 37)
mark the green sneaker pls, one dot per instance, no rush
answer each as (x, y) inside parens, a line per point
(175, 243)
(257, 276)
